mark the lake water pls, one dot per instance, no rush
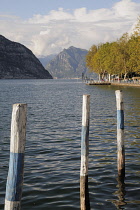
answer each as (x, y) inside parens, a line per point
(52, 154)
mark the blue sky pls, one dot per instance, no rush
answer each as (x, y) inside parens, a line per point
(49, 26)
(27, 8)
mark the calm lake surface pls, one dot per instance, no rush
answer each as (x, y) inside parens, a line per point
(52, 154)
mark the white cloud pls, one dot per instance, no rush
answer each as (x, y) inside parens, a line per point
(51, 33)
(127, 9)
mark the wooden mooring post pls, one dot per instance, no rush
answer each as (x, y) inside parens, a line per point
(120, 134)
(16, 163)
(84, 193)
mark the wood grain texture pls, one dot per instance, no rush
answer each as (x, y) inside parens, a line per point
(16, 163)
(18, 128)
(15, 205)
(84, 194)
(120, 133)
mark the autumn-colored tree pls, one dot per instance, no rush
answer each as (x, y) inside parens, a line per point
(121, 57)
(123, 53)
(134, 54)
(134, 49)
(114, 60)
(92, 51)
(136, 30)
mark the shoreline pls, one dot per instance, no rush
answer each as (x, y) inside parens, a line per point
(126, 84)
(114, 84)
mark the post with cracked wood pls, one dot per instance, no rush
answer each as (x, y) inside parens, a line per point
(120, 134)
(84, 193)
(16, 163)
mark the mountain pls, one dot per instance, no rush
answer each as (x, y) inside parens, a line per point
(18, 62)
(46, 59)
(70, 63)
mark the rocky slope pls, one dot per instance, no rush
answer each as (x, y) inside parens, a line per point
(70, 63)
(46, 59)
(18, 62)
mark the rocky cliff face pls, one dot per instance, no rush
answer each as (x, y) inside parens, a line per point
(70, 63)
(18, 62)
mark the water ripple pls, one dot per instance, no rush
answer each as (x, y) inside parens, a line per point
(52, 155)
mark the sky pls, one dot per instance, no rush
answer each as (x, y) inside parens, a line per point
(48, 26)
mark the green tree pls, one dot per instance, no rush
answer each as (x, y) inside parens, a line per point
(124, 54)
(114, 59)
(101, 60)
(134, 53)
(92, 51)
(136, 30)
(120, 57)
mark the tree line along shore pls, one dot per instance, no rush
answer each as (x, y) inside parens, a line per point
(119, 59)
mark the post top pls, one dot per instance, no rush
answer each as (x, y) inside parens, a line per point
(19, 104)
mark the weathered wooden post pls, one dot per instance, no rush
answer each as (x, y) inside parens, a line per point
(84, 193)
(120, 134)
(121, 192)
(16, 163)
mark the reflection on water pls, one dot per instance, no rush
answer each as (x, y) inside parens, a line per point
(120, 203)
(52, 155)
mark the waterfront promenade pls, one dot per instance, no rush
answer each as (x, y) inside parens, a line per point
(116, 83)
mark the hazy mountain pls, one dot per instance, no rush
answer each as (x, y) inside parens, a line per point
(46, 59)
(70, 63)
(18, 62)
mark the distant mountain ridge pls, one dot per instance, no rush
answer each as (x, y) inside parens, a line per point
(46, 59)
(70, 63)
(18, 62)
